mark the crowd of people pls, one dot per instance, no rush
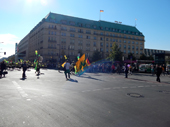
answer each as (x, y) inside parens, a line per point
(93, 68)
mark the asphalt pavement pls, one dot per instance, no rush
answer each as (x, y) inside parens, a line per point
(88, 100)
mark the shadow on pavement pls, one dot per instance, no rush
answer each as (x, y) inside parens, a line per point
(23, 79)
(73, 80)
(89, 77)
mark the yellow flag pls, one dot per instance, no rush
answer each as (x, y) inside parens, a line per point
(63, 64)
(80, 63)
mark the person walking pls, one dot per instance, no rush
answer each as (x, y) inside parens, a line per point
(126, 70)
(158, 72)
(3, 67)
(67, 69)
(152, 70)
(24, 68)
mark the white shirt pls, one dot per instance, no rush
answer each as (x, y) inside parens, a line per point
(67, 65)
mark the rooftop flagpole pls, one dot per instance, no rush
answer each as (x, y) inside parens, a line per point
(100, 14)
(135, 22)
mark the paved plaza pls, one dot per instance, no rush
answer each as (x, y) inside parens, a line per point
(88, 100)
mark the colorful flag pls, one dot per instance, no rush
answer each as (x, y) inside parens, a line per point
(63, 64)
(87, 62)
(101, 10)
(80, 63)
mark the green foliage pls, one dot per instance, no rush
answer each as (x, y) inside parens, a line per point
(115, 54)
(144, 57)
(96, 56)
(131, 56)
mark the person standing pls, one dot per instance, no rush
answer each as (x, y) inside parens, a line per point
(67, 69)
(126, 70)
(158, 72)
(24, 68)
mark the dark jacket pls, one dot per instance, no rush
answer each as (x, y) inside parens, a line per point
(24, 66)
(3, 66)
(158, 70)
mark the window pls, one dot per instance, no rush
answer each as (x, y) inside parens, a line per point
(136, 52)
(132, 42)
(124, 41)
(124, 51)
(136, 47)
(94, 43)
(128, 42)
(113, 35)
(132, 47)
(107, 50)
(128, 51)
(72, 23)
(72, 29)
(107, 39)
(107, 45)
(88, 32)
(136, 42)
(110, 39)
(80, 36)
(107, 28)
(141, 52)
(95, 33)
(49, 32)
(87, 37)
(101, 44)
(110, 44)
(63, 21)
(119, 40)
(124, 46)
(132, 52)
(124, 36)
(94, 48)
(128, 46)
(141, 43)
(64, 28)
(55, 33)
(80, 30)
(94, 26)
(101, 33)
(101, 38)
(71, 35)
(88, 25)
(94, 38)
(113, 40)
(72, 41)
(63, 34)
(101, 49)
(120, 46)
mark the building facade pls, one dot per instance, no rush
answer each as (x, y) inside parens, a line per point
(58, 35)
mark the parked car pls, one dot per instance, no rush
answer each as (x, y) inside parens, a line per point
(145, 68)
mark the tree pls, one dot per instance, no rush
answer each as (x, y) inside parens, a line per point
(143, 57)
(115, 53)
(131, 56)
(96, 55)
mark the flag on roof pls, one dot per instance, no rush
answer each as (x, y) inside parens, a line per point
(101, 10)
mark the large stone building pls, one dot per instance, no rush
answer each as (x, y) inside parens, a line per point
(57, 35)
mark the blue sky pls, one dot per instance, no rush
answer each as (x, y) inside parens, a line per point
(18, 17)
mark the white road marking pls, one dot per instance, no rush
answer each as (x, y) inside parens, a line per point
(140, 86)
(124, 87)
(20, 90)
(106, 88)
